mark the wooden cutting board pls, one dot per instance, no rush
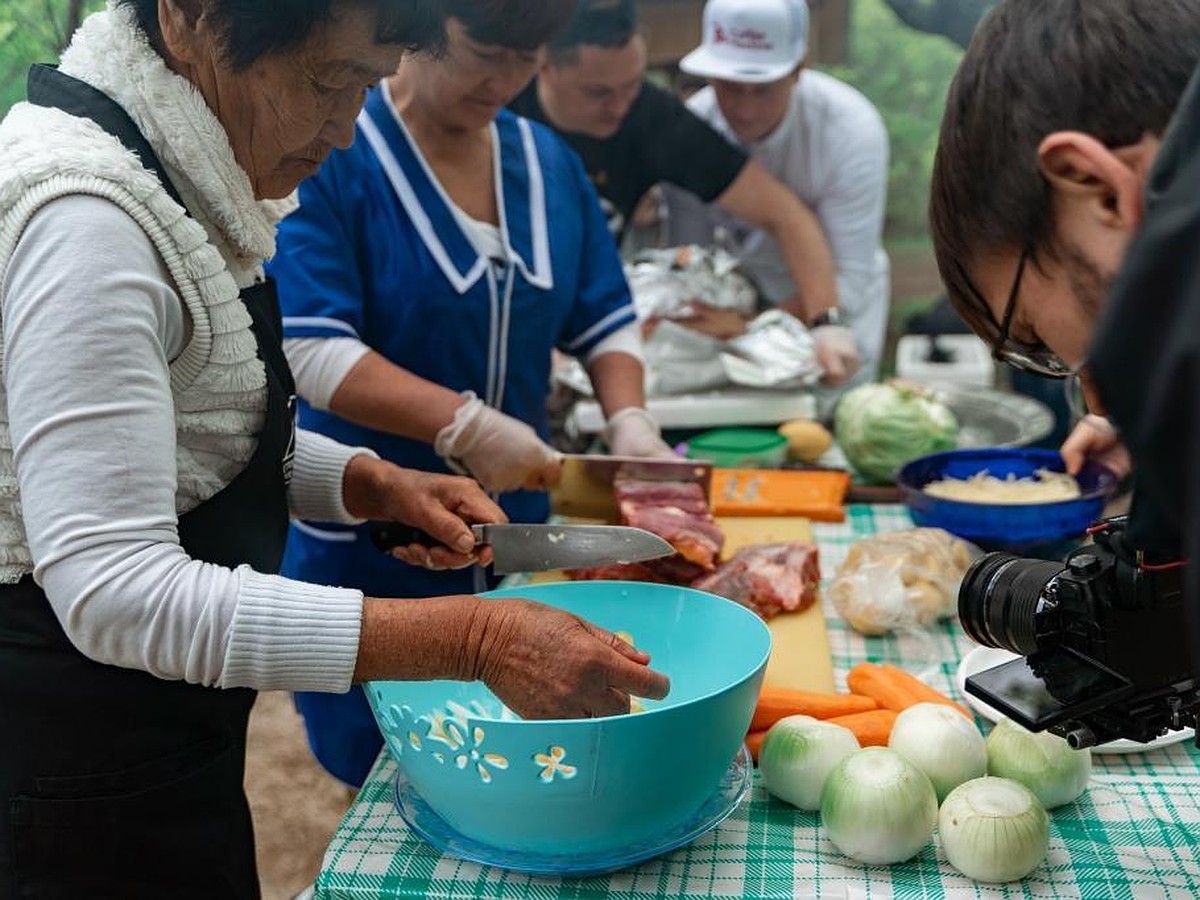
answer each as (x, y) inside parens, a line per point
(799, 642)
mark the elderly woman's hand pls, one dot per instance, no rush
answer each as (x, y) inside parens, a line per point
(444, 506)
(544, 663)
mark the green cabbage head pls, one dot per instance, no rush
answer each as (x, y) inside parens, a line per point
(880, 427)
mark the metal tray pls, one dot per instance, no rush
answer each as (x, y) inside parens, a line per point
(991, 418)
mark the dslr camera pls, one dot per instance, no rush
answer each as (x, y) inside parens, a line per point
(1103, 637)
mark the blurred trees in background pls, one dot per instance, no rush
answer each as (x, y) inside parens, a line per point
(34, 31)
(905, 73)
(954, 19)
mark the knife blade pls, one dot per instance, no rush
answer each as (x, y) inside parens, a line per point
(542, 548)
(585, 490)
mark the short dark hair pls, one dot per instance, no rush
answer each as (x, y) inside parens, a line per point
(515, 24)
(1113, 69)
(254, 28)
(599, 23)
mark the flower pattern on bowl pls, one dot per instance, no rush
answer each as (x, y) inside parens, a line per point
(403, 725)
(552, 765)
(464, 743)
(448, 735)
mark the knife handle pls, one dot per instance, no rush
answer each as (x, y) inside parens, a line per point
(387, 536)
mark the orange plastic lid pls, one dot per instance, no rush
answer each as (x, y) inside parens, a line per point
(814, 494)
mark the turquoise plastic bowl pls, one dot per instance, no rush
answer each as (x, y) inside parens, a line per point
(588, 785)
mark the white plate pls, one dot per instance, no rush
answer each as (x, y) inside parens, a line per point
(987, 657)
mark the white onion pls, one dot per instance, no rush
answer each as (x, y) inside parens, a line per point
(1043, 762)
(942, 743)
(994, 830)
(877, 807)
(797, 756)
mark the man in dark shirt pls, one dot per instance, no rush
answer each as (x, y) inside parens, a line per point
(1066, 220)
(632, 136)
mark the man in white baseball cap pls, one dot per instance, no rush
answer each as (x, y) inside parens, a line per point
(751, 41)
(817, 135)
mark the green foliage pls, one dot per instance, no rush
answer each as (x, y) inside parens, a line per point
(905, 73)
(34, 31)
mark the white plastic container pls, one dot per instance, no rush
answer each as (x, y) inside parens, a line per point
(968, 360)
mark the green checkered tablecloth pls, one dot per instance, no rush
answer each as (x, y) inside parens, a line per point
(1133, 834)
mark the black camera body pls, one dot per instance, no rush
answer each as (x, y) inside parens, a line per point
(1104, 636)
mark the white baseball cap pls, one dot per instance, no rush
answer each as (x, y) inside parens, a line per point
(751, 41)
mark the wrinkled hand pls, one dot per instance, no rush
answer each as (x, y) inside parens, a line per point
(836, 352)
(544, 663)
(500, 452)
(1095, 438)
(444, 506)
(723, 324)
(633, 432)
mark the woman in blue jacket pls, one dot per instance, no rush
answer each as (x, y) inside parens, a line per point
(427, 277)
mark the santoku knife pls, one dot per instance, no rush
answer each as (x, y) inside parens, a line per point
(542, 548)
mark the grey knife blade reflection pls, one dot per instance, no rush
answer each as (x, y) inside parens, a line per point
(543, 548)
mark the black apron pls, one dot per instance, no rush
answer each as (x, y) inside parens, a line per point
(116, 783)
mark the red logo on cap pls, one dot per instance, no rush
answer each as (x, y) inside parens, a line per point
(719, 34)
(752, 39)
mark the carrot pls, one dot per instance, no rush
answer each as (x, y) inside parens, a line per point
(872, 728)
(754, 740)
(774, 703)
(923, 692)
(871, 680)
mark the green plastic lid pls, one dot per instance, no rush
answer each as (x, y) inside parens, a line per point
(738, 440)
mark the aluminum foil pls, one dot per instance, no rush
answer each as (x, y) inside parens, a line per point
(776, 351)
(666, 282)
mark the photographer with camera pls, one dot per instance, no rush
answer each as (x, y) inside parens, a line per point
(1067, 155)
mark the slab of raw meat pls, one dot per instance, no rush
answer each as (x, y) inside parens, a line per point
(676, 511)
(768, 578)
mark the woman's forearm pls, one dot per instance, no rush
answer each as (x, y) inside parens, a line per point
(383, 396)
(418, 640)
(618, 380)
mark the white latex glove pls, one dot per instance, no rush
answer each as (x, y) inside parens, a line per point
(836, 352)
(633, 432)
(498, 451)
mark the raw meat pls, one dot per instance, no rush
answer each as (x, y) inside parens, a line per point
(676, 511)
(768, 578)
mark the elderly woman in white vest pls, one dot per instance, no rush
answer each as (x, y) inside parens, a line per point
(148, 460)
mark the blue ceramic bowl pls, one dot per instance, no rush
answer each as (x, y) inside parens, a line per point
(588, 785)
(1014, 527)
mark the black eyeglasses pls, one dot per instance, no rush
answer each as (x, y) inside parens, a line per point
(1037, 359)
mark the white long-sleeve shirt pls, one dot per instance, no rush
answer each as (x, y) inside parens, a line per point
(91, 321)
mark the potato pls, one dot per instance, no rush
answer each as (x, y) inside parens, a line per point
(807, 441)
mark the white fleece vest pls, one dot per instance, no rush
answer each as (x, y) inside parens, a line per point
(218, 382)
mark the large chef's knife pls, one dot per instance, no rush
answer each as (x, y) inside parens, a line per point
(542, 548)
(586, 488)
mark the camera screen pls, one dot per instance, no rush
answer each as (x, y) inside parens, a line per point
(1079, 687)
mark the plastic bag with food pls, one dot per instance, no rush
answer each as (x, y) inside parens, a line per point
(901, 580)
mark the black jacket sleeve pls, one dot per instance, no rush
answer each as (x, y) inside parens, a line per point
(1147, 349)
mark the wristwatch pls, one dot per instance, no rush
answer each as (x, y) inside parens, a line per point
(831, 316)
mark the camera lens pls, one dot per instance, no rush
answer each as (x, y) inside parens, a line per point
(999, 598)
